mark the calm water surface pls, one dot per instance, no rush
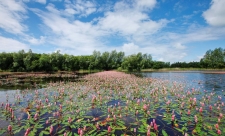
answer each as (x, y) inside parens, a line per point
(193, 79)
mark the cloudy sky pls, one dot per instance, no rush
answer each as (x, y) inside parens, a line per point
(169, 30)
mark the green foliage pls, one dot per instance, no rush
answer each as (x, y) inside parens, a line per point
(160, 64)
(18, 63)
(214, 59)
(185, 65)
(136, 62)
(6, 61)
(119, 69)
(22, 61)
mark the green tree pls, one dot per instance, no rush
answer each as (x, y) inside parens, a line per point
(96, 60)
(18, 63)
(56, 60)
(132, 62)
(146, 61)
(45, 63)
(105, 60)
(213, 59)
(120, 58)
(28, 60)
(6, 61)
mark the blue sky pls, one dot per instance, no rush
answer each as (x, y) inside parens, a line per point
(169, 30)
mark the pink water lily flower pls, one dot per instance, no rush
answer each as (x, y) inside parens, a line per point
(109, 129)
(27, 132)
(9, 128)
(200, 109)
(51, 129)
(218, 132)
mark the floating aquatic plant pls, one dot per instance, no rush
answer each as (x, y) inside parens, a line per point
(114, 103)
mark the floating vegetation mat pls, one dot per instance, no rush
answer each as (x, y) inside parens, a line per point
(113, 103)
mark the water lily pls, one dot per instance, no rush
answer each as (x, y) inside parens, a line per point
(69, 120)
(109, 129)
(189, 112)
(9, 128)
(173, 117)
(51, 129)
(217, 126)
(27, 132)
(200, 109)
(148, 132)
(145, 107)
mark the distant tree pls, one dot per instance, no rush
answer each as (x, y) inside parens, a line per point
(120, 58)
(6, 61)
(84, 62)
(132, 62)
(27, 60)
(146, 61)
(157, 64)
(56, 60)
(185, 65)
(96, 60)
(70, 63)
(214, 59)
(18, 63)
(45, 63)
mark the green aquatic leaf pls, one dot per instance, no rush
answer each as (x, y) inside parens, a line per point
(45, 132)
(164, 133)
(179, 130)
(19, 129)
(92, 131)
(152, 134)
(61, 131)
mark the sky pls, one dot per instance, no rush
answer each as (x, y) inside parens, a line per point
(169, 30)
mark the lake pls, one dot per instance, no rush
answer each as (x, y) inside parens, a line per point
(196, 79)
(192, 84)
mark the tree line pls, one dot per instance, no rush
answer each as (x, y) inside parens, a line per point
(22, 61)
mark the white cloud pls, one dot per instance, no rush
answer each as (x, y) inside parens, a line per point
(145, 4)
(167, 53)
(179, 46)
(81, 7)
(215, 15)
(199, 57)
(71, 11)
(56, 0)
(12, 14)
(11, 45)
(125, 20)
(36, 41)
(77, 36)
(130, 20)
(41, 1)
(130, 48)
